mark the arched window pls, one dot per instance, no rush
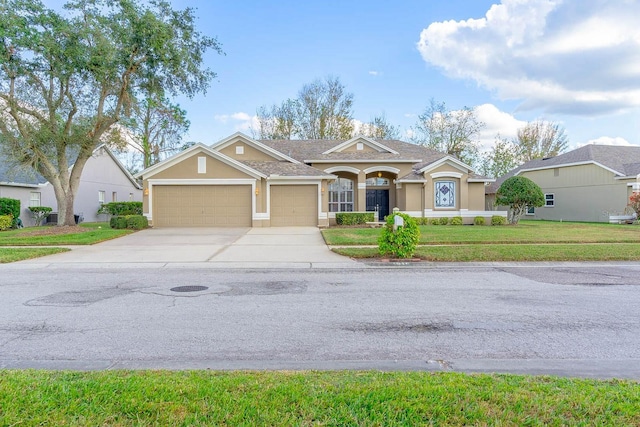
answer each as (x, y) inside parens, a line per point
(377, 182)
(341, 195)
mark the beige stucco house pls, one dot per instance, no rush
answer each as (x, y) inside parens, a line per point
(590, 183)
(244, 182)
(104, 179)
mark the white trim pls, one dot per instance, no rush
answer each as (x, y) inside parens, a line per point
(199, 147)
(368, 141)
(455, 163)
(204, 181)
(260, 216)
(485, 180)
(553, 200)
(381, 169)
(298, 178)
(18, 184)
(415, 214)
(563, 165)
(446, 175)
(223, 143)
(342, 169)
(464, 214)
(362, 186)
(410, 181)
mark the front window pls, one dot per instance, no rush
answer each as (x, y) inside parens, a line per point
(445, 194)
(341, 195)
(101, 196)
(34, 199)
(549, 200)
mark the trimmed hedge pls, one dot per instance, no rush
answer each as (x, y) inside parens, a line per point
(479, 220)
(6, 221)
(134, 222)
(121, 208)
(443, 221)
(10, 207)
(354, 218)
(498, 220)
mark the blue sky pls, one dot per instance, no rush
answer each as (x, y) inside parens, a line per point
(576, 62)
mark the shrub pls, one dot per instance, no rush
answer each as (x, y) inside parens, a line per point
(443, 221)
(121, 208)
(6, 221)
(10, 207)
(137, 222)
(400, 243)
(479, 220)
(354, 218)
(118, 222)
(434, 221)
(39, 213)
(498, 220)
(456, 220)
(634, 203)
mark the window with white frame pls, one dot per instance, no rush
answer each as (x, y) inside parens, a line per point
(114, 196)
(35, 199)
(549, 200)
(445, 194)
(101, 196)
(377, 182)
(341, 195)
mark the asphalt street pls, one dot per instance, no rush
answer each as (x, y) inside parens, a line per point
(565, 320)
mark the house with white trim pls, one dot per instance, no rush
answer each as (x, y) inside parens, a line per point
(243, 182)
(590, 183)
(104, 179)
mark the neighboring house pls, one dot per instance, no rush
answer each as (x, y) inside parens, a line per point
(104, 179)
(243, 182)
(589, 183)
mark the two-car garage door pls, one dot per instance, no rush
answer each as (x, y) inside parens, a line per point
(202, 206)
(230, 205)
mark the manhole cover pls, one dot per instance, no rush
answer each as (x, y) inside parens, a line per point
(189, 288)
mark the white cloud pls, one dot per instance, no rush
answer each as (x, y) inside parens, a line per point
(496, 123)
(374, 73)
(608, 140)
(241, 121)
(560, 56)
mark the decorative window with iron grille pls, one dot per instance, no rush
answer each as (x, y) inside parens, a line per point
(445, 194)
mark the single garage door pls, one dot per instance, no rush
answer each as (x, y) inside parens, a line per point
(202, 206)
(294, 205)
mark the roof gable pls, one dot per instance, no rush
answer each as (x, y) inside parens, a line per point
(448, 160)
(194, 149)
(373, 144)
(239, 136)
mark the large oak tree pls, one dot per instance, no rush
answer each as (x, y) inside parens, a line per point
(67, 78)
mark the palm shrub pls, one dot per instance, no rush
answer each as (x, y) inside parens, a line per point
(402, 242)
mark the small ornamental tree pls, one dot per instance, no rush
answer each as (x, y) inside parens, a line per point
(39, 213)
(401, 242)
(519, 193)
(634, 203)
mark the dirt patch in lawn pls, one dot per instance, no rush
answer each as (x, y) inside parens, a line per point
(55, 230)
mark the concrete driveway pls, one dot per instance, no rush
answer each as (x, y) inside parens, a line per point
(281, 247)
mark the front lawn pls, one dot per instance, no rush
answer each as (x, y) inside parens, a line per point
(19, 254)
(524, 232)
(85, 234)
(186, 398)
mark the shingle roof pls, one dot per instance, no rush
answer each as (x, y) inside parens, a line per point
(624, 160)
(285, 168)
(16, 175)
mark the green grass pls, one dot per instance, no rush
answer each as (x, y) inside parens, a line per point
(93, 233)
(511, 252)
(524, 232)
(19, 254)
(187, 398)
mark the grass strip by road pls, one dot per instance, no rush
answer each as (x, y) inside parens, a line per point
(126, 398)
(513, 253)
(20, 254)
(524, 232)
(85, 234)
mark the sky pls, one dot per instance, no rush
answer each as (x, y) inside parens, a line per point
(575, 62)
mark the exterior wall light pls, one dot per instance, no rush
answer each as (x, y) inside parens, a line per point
(257, 191)
(146, 191)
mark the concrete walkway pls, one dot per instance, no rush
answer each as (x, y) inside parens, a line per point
(245, 248)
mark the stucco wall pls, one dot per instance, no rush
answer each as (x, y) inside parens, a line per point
(23, 194)
(249, 153)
